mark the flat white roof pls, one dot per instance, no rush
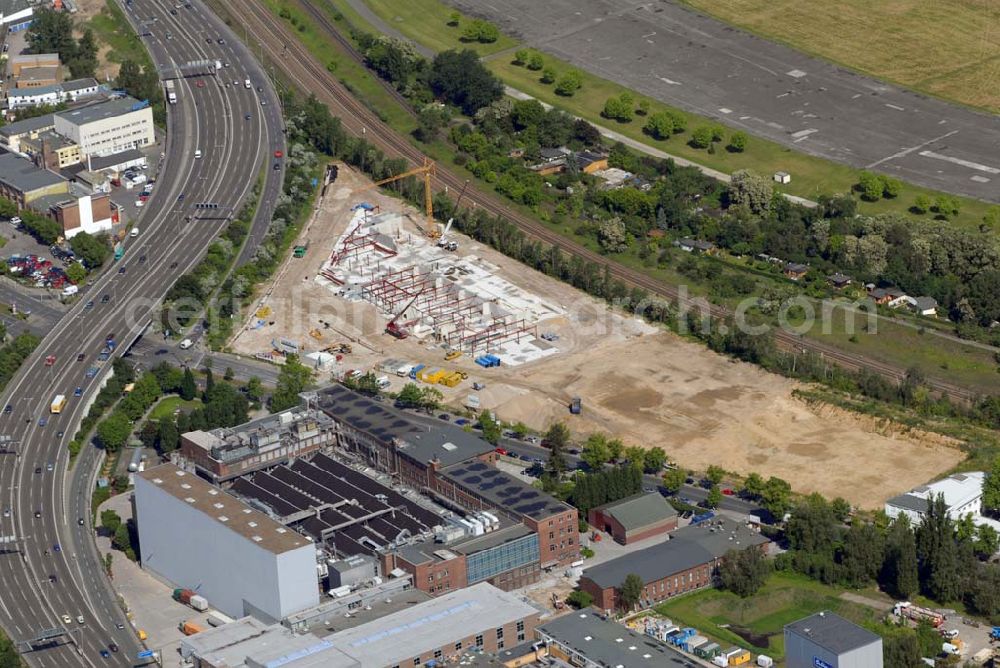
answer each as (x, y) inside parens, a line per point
(430, 625)
(958, 489)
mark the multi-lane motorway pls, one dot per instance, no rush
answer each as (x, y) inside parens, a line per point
(237, 130)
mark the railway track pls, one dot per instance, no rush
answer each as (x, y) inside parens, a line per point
(283, 48)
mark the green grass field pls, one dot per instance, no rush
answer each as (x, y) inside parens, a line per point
(112, 28)
(785, 598)
(164, 409)
(948, 48)
(426, 22)
(906, 347)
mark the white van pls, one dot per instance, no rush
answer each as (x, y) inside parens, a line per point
(134, 233)
(186, 343)
(70, 290)
(197, 154)
(247, 84)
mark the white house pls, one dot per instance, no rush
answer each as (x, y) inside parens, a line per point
(963, 495)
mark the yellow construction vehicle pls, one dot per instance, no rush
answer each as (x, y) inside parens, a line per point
(427, 170)
(453, 355)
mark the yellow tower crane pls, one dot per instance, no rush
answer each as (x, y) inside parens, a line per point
(427, 170)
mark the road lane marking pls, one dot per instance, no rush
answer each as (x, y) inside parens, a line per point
(895, 106)
(907, 151)
(958, 161)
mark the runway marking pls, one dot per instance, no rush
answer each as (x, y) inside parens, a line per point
(785, 94)
(803, 134)
(895, 106)
(979, 179)
(856, 96)
(798, 74)
(670, 81)
(958, 161)
(907, 151)
(723, 110)
(646, 37)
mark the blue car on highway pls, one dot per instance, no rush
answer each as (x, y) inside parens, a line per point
(78, 392)
(91, 372)
(42, 421)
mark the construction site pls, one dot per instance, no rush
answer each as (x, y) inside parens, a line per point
(370, 289)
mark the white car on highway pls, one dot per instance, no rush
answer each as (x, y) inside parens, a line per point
(67, 619)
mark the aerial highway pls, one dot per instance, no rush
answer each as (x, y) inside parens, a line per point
(51, 570)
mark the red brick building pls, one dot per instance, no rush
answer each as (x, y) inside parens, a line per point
(688, 561)
(634, 518)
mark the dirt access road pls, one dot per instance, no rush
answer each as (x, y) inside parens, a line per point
(645, 385)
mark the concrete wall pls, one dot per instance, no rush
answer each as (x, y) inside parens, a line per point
(189, 549)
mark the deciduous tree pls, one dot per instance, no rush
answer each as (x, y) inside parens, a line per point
(630, 592)
(737, 142)
(745, 571)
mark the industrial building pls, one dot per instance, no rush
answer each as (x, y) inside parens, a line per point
(12, 134)
(634, 518)
(51, 151)
(196, 536)
(686, 562)
(73, 206)
(361, 479)
(22, 182)
(585, 638)
(225, 453)
(826, 640)
(480, 617)
(109, 127)
(452, 466)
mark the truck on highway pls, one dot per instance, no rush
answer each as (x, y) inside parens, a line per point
(58, 404)
(171, 92)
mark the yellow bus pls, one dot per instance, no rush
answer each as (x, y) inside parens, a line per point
(58, 403)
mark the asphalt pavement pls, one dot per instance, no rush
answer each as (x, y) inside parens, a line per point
(686, 59)
(39, 583)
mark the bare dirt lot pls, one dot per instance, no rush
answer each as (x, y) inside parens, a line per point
(645, 385)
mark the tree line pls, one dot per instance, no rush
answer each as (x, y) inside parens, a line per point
(941, 558)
